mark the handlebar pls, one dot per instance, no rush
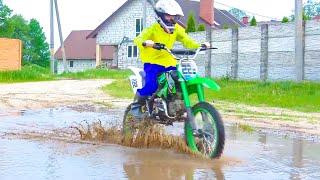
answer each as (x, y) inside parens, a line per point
(173, 52)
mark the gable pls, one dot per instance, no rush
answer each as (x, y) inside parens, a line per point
(122, 24)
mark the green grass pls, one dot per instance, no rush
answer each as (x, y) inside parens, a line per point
(246, 128)
(30, 73)
(98, 74)
(303, 97)
(120, 88)
(26, 74)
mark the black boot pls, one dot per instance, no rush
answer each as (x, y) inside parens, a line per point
(136, 106)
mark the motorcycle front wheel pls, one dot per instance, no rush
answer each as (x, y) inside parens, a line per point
(209, 137)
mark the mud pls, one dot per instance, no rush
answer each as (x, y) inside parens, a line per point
(148, 135)
(39, 95)
(68, 143)
(57, 131)
(85, 95)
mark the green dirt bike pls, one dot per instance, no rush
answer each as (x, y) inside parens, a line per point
(203, 126)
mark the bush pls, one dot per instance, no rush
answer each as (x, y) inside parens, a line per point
(285, 20)
(191, 23)
(201, 27)
(253, 21)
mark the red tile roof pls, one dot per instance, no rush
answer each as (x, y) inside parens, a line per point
(77, 46)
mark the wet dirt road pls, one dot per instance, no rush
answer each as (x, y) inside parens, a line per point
(41, 144)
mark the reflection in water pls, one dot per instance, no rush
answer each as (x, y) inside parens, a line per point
(52, 165)
(263, 138)
(38, 155)
(166, 165)
(297, 157)
(297, 153)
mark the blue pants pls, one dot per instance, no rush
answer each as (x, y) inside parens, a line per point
(151, 84)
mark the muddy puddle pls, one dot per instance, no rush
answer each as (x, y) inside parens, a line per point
(46, 144)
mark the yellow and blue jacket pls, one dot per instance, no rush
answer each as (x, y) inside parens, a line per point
(156, 33)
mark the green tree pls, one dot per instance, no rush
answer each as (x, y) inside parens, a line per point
(5, 14)
(238, 13)
(285, 20)
(35, 49)
(191, 23)
(39, 50)
(201, 27)
(311, 9)
(253, 21)
(18, 29)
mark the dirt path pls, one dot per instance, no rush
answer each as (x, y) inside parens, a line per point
(37, 95)
(34, 95)
(270, 118)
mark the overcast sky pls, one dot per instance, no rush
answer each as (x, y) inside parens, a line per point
(87, 15)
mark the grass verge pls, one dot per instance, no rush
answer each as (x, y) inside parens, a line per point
(303, 97)
(31, 73)
(120, 89)
(98, 74)
(26, 74)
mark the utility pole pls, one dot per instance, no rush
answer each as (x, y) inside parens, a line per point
(144, 14)
(208, 62)
(51, 38)
(65, 68)
(299, 52)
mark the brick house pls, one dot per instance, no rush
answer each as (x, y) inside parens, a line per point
(81, 53)
(119, 29)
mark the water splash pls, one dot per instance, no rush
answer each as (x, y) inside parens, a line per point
(147, 135)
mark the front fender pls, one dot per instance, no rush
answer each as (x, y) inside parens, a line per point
(208, 83)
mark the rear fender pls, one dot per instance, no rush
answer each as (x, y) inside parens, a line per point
(136, 80)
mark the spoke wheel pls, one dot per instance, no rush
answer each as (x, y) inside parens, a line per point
(210, 136)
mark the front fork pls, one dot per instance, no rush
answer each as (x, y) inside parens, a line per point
(187, 103)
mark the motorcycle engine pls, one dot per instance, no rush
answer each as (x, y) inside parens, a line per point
(176, 107)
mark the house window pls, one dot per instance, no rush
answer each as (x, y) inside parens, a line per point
(71, 64)
(135, 51)
(129, 51)
(132, 51)
(139, 26)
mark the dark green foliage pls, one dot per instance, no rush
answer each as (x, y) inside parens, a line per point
(191, 23)
(201, 27)
(253, 21)
(285, 20)
(35, 48)
(5, 13)
(39, 51)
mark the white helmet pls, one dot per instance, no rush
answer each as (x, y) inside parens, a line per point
(168, 7)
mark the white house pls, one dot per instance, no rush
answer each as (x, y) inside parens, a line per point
(119, 29)
(81, 53)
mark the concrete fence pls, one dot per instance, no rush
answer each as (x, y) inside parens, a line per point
(266, 52)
